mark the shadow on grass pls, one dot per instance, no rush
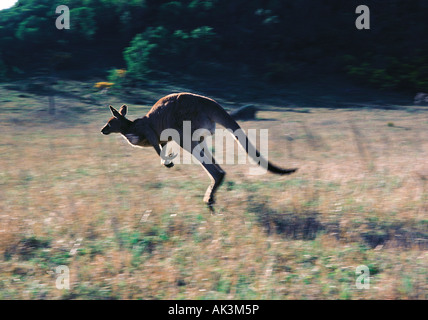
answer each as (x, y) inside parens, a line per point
(26, 248)
(307, 225)
(397, 235)
(298, 226)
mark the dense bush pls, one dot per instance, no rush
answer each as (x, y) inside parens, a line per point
(159, 48)
(270, 38)
(3, 70)
(388, 72)
(137, 57)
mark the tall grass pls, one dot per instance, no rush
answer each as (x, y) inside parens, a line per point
(128, 228)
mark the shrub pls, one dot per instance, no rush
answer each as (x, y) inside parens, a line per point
(83, 22)
(3, 70)
(117, 76)
(390, 72)
(103, 85)
(171, 47)
(137, 57)
(29, 29)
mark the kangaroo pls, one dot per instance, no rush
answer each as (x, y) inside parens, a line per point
(169, 113)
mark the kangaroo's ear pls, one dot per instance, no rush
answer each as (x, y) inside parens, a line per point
(123, 110)
(114, 112)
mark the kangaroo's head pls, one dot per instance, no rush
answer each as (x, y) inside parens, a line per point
(118, 123)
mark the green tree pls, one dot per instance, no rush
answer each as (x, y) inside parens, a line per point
(83, 21)
(137, 57)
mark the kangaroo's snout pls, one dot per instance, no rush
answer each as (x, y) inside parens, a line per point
(105, 130)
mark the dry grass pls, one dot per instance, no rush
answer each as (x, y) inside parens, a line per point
(129, 228)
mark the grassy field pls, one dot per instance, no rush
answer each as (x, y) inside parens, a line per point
(128, 228)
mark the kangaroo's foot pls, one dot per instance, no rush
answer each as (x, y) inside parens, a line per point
(211, 208)
(209, 201)
(167, 161)
(209, 194)
(169, 165)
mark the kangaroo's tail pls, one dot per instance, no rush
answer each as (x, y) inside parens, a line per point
(223, 118)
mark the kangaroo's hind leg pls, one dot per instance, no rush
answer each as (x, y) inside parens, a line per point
(215, 172)
(216, 175)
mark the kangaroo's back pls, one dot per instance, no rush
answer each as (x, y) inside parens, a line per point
(172, 110)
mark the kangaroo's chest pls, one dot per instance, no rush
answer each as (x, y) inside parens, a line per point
(136, 140)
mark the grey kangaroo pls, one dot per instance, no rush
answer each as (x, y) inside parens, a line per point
(169, 113)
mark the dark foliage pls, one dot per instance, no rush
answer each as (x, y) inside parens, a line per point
(276, 39)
